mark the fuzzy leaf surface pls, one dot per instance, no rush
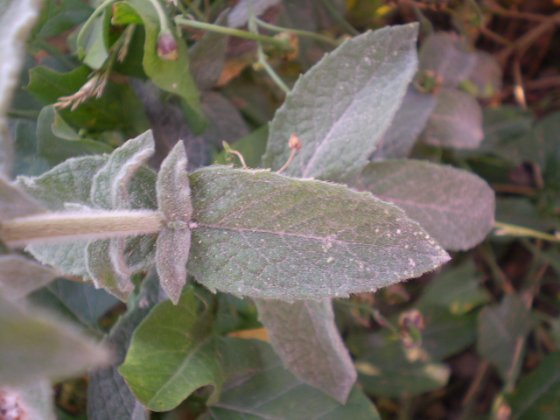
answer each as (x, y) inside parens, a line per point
(174, 240)
(14, 202)
(341, 107)
(264, 235)
(408, 123)
(16, 21)
(259, 384)
(172, 354)
(36, 400)
(20, 276)
(306, 338)
(454, 206)
(35, 346)
(455, 122)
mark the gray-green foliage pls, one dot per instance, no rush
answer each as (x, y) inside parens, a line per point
(265, 235)
(305, 337)
(341, 108)
(20, 276)
(438, 197)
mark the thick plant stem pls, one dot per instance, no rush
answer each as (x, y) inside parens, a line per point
(79, 225)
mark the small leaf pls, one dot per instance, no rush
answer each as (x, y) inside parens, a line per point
(174, 240)
(446, 55)
(536, 396)
(14, 202)
(104, 273)
(186, 355)
(258, 384)
(35, 346)
(170, 75)
(264, 235)
(20, 276)
(501, 329)
(306, 338)
(454, 206)
(455, 122)
(341, 108)
(108, 394)
(407, 124)
(16, 21)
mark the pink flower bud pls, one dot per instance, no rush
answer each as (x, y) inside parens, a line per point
(167, 47)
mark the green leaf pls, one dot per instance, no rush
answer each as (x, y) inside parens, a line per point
(260, 387)
(538, 393)
(57, 141)
(341, 108)
(170, 75)
(31, 401)
(20, 276)
(456, 289)
(265, 235)
(501, 330)
(174, 240)
(36, 346)
(172, 354)
(305, 337)
(14, 202)
(78, 301)
(16, 20)
(59, 16)
(445, 54)
(388, 369)
(95, 48)
(407, 124)
(455, 122)
(108, 394)
(454, 206)
(252, 147)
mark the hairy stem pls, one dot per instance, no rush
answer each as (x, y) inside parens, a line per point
(78, 225)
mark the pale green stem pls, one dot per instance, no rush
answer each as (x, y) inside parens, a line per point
(299, 32)
(101, 224)
(520, 231)
(163, 23)
(239, 33)
(263, 61)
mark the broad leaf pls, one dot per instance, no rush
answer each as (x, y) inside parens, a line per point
(36, 346)
(32, 401)
(455, 122)
(174, 240)
(265, 235)
(454, 206)
(341, 108)
(305, 337)
(170, 75)
(407, 124)
(16, 20)
(501, 334)
(538, 393)
(20, 276)
(108, 394)
(445, 55)
(186, 354)
(79, 301)
(258, 385)
(14, 202)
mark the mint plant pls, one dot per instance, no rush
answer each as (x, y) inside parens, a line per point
(329, 214)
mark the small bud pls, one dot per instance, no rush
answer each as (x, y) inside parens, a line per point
(294, 143)
(167, 47)
(411, 325)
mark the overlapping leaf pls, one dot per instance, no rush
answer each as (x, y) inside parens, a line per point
(454, 206)
(264, 235)
(306, 338)
(341, 108)
(20, 276)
